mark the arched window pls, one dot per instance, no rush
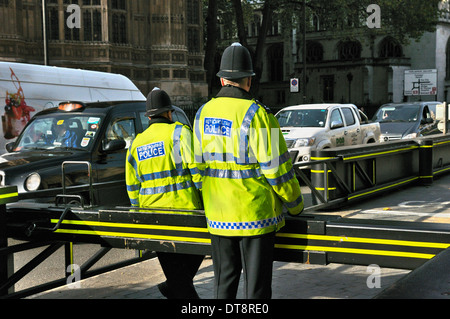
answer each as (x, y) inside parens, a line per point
(390, 48)
(275, 56)
(314, 51)
(254, 27)
(349, 50)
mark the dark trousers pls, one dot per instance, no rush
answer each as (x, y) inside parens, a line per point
(253, 255)
(180, 270)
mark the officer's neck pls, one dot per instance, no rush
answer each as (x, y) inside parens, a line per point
(159, 119)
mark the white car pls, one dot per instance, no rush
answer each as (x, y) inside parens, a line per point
(319, 126)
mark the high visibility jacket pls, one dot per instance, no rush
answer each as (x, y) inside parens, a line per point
(160, 169)
(246, 167)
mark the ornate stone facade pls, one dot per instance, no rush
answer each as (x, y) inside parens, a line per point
(153, 42)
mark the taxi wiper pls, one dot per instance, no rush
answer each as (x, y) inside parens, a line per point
(70, 148)
(36, 148)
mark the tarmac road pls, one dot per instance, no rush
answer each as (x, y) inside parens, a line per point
(414, 203)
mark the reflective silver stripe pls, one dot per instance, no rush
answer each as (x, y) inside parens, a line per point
(166, 188)
(232, 174)
(245, 127)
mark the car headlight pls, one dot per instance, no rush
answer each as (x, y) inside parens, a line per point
(301, 142)
(32, 182)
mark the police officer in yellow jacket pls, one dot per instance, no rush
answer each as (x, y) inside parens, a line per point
(161, 173)
(248, 177)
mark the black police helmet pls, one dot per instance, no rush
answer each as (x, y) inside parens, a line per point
(158, 102)
(236, 63)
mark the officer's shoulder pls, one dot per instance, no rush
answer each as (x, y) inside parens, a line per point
(264, 107)
(183, 125)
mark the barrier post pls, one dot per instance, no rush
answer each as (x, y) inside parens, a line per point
(445, 117)
(8, 194)
(426, 161)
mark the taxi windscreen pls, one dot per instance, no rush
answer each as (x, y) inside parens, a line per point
(60, 131)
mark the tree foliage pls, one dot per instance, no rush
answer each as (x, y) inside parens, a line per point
(402, 19)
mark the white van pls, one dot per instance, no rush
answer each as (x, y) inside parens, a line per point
(28, 89)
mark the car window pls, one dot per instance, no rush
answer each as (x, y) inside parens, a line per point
(336, 116)
(122, 128)
(431, 111)
(348, 115)
(398, 113)
(60, 131)
(180, 117)
(302, 118)
(176, 117)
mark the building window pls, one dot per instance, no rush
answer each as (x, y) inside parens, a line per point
(193, 12)
(275, 56)
(390, 48)
(274, 29)
(193, 40)
(52, 24)
(254, 26)
(92, 25)
(281, 96)
(328, 88)
(314, 51)
(91, 2)
(70, 34)
(118, 4)
(119, 28)
(349, 50)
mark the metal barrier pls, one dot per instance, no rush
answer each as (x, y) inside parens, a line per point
(342, 175)
(339, 176)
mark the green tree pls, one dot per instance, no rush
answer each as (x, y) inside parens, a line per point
(402, 19)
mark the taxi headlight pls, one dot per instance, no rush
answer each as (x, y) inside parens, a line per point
(32, 182)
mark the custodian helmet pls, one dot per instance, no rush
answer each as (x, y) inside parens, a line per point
(236, 63)
(158, 102)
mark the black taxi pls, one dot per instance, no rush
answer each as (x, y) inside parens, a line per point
(90, 139)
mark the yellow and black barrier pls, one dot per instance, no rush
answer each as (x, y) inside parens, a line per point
(346, 174)
(304, 239)
(8, 195)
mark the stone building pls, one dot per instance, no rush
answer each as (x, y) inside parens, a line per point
(152, 42)
(343, 67)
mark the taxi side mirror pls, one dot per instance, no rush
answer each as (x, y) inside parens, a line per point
(10, 146)
(113, 145)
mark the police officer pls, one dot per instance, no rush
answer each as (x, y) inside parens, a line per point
(161, 173)
(248, 177)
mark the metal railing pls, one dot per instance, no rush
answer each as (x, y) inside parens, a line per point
(342, 175)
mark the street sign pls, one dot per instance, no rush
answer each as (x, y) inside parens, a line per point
(295, 85)
(420, 82)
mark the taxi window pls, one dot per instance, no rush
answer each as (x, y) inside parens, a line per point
(60, 131)
(121, 129)
(176, 117)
